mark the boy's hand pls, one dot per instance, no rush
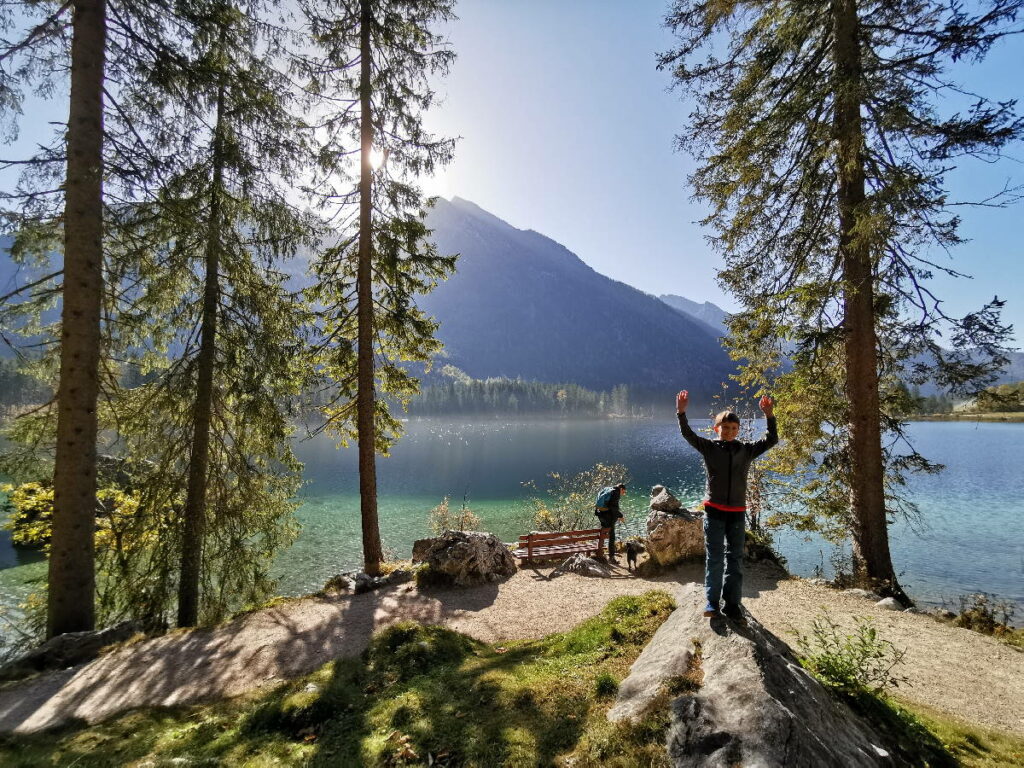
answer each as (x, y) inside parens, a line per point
(767, 406)
(682, 400)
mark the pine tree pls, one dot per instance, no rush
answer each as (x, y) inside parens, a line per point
(71, 605)
(374, 58)
(170, 154)
(206, 252)
(823, 156)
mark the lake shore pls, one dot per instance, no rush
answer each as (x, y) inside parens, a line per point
(1005, 417)
(951, 552)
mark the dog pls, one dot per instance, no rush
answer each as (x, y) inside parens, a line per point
(633, 548)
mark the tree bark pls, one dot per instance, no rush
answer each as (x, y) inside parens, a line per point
(194, 517)
(365, 406)
(872, 560)
(71, 595)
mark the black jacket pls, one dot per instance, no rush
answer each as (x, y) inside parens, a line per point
(727, 463)
(612, 512)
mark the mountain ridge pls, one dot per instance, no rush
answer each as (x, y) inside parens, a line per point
(522, 305)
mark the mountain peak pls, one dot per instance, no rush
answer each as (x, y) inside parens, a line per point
(469, 208)
(710, 314)
(522, 305)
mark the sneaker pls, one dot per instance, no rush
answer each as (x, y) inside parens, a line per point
(711, 611)
(735, 613)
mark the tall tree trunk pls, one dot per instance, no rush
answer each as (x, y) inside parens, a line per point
(365, 428)
(194, 522)
(71, 596)
(872, 560)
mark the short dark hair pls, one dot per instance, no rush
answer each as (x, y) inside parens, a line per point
(726, 416)
(621, 485)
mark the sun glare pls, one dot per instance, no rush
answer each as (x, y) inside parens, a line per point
(438, 185)
(377, 158)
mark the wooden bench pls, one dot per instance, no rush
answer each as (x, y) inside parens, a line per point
(540, 546)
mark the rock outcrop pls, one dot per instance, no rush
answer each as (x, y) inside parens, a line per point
(755, 705)
(662, 500)
(674, 534)
(465, 558)
(584, 566)
(360, 581)
(67, 650)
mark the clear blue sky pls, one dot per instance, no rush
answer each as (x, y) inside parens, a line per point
(567, 129)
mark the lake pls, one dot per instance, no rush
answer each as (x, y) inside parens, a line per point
(971, 538)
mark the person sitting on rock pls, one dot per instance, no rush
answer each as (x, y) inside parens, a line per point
(726, 462)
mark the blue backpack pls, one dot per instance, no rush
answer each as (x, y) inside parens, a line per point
(604, 498)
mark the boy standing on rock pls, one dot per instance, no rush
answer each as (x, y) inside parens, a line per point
(726, 461)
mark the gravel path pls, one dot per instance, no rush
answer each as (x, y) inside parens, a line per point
(962, 673)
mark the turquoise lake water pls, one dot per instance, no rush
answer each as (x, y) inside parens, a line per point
(971, 538)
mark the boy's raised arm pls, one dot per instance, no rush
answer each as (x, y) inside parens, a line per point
(698, 442)
(768, 408)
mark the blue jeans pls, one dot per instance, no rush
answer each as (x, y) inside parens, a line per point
(723, 546)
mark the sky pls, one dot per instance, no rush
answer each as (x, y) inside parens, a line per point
(566, 127)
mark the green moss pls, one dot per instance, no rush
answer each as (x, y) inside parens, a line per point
(417, 694)
(605, 686)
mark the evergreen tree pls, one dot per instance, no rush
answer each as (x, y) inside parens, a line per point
(373, 60)
(212, 301)
(71, 579)
(199, 148)
(823, 155)
(71, 572)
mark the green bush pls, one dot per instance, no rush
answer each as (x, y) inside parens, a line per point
(568, 503)
(983, 613)
(442, 518)
(851, 663)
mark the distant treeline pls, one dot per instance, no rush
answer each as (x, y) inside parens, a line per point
(1003, 398)
(511, 397)
(935, 403)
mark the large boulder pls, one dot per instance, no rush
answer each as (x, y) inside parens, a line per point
(754, 704)
(674, 536)
(465, 558)
(420, 547)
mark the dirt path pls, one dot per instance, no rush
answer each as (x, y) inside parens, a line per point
(962, 673)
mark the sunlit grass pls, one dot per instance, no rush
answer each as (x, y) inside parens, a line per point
(417, 695)
(422, 694)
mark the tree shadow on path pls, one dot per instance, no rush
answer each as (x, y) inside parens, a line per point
(296, 637)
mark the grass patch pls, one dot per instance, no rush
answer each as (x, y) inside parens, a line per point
(972, 746)
(930, 739)
(417, 695)
(858, 667)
